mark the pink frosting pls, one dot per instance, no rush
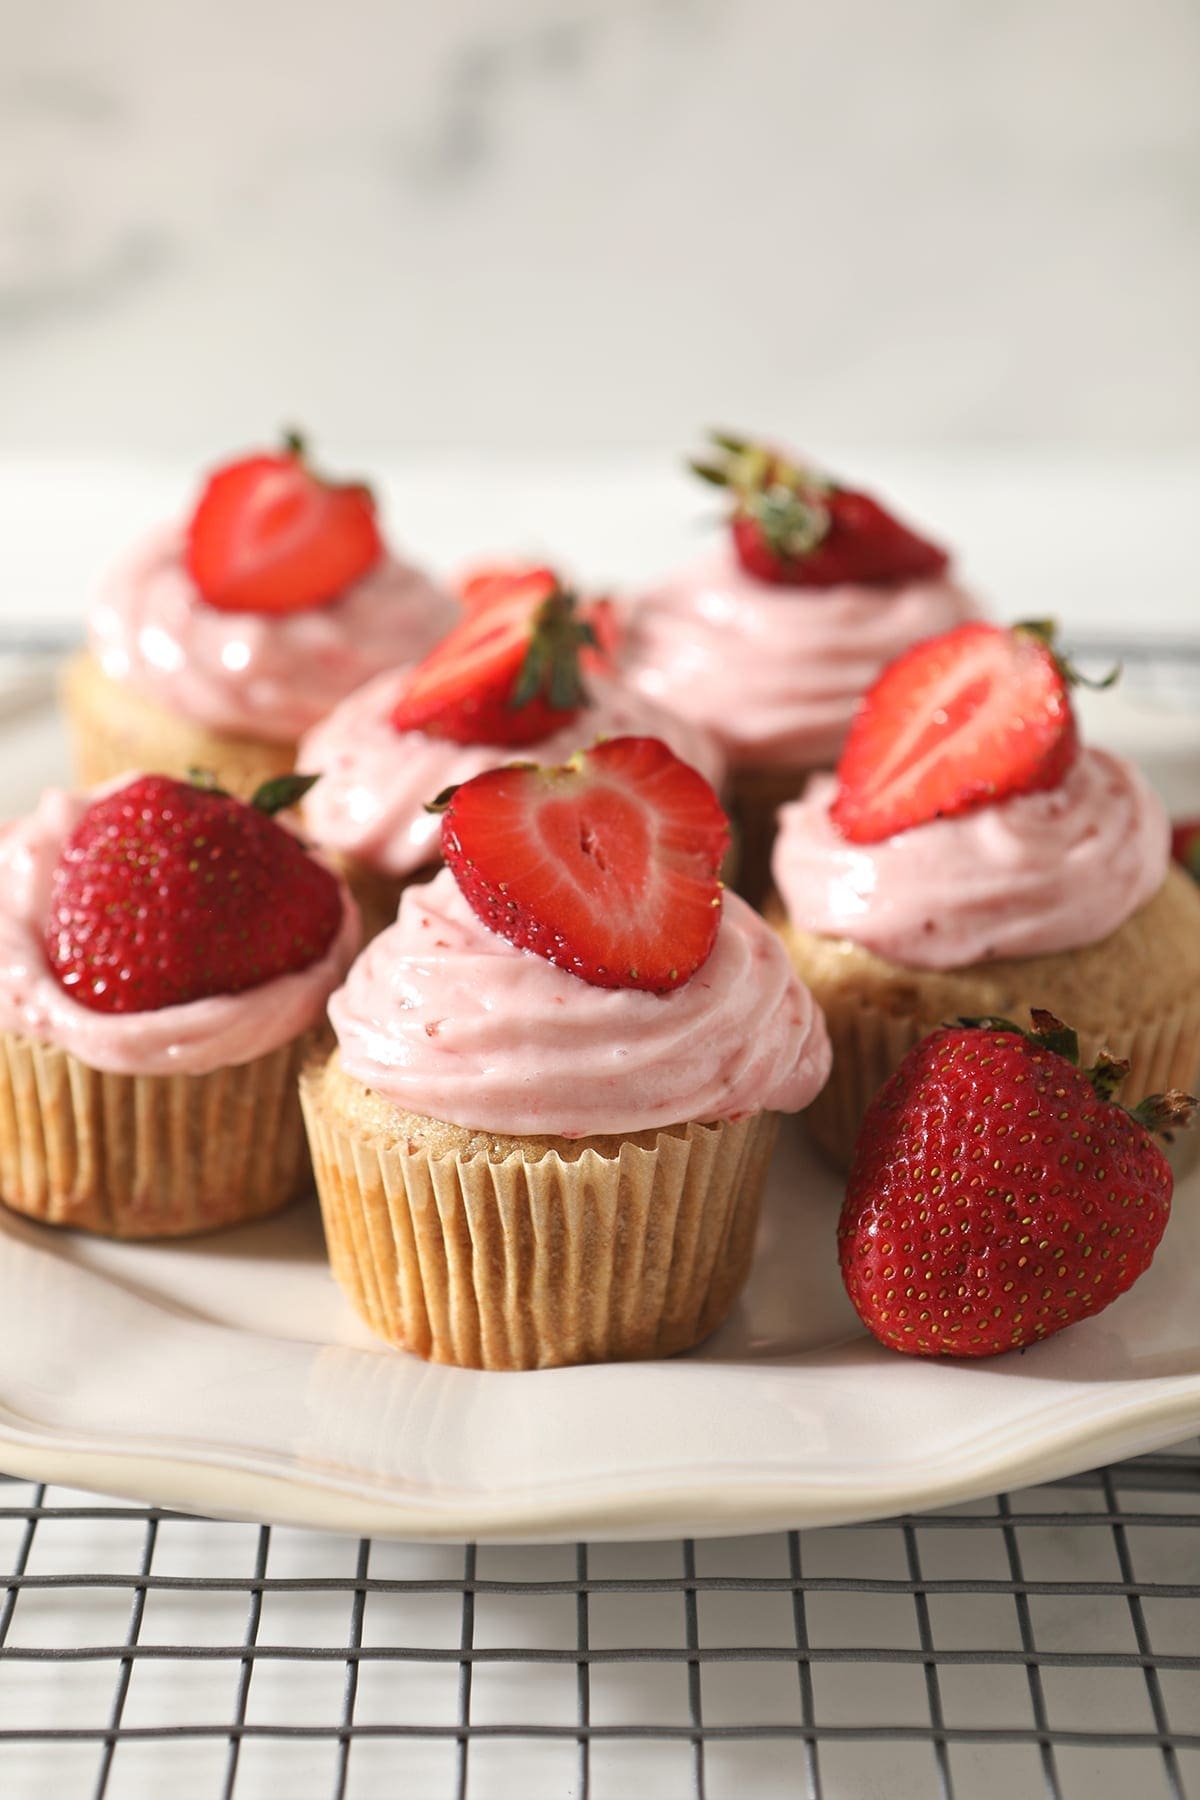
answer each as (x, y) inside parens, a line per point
(270, 677)
(375, 781)
(193, 1039)
(446, 1019)
(775, 672)
(1027, 877)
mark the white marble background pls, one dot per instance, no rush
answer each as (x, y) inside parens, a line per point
(533, 225)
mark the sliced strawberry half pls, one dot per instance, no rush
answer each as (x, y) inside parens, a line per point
(795, 527)
(606, 867)
(270, 536)
(509, 674)
(962, 720)
(484, 586)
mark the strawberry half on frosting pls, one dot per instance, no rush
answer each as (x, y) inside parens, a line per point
(966, 719)
(794, 526)
(509, 674)
(530, 667)
(271, 535)
(770, 635)
(607, 866)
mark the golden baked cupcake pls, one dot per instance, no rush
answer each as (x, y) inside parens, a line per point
(166, 953)
(217, 644)
(544, 1134)
(522, 673)
(770, 640)
(970, 859)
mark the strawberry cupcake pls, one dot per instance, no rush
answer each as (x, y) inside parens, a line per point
(523, 673)
(217, 643)
(771, 639)
(166, 954)
(544, 1133)
(970, 859)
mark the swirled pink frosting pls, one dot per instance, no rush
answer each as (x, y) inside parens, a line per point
(267, 676)
(446, 1019)
(776, 673)
(220, 1032)
(375, 780)
(1027, 877)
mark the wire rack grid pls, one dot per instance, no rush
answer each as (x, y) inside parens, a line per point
(1044, 1643)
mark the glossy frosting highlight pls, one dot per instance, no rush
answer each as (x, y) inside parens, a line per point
(775, 672)
(444, 1018)
(220, 1032)
(375, 780)
(265, 676)
(1029, 876)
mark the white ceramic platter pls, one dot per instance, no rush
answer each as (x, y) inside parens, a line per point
(227, 1375)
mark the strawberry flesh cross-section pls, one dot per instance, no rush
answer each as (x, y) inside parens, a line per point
(963, 720)
(269, 535)
(607, 866)
(508, 675)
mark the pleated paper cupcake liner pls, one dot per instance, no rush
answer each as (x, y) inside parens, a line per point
(114, 730)
(142, 1156)
(526, 1264)
(869, 1045)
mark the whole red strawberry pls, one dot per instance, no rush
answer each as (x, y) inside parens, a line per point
(998, 1193)
(269, 535)
(1185, 846)
(167, 892)
(798, 528)
(606, 866)
(509, 674)
(962, 720)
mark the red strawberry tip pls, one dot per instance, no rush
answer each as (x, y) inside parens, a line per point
(1185, 846)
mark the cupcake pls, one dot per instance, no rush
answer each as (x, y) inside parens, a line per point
(522, 673)
(773, 636)
(543, 1135)
(166, 954)
(970, 859)
(217, 643)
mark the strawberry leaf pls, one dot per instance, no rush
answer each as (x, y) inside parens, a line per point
(282, 792)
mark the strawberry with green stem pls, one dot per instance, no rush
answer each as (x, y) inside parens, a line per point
(508, 675)
(999, 1193)
(271, 535)
(966, 719)
(796, 527)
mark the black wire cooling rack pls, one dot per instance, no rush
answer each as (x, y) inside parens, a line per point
(1045, 1642)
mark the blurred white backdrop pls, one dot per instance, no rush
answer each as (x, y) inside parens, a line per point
(533, 225)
